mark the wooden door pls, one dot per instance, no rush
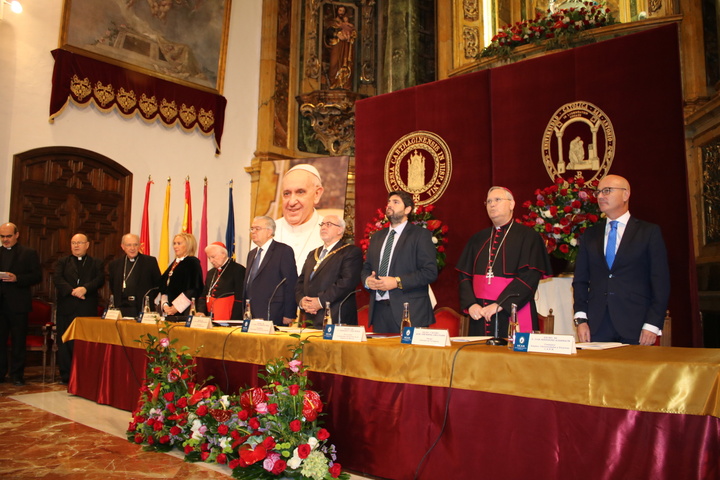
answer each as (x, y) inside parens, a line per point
(60, 191)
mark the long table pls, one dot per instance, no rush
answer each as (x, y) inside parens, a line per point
(631, 412)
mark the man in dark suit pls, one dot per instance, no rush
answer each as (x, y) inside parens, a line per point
(223, 293)
(19, 270)
(400, 264)
(330, 274)
(271, 275)
(132, 276)
(78, 279)
(622, 279)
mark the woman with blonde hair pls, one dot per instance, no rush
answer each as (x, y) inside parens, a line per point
(182, 281)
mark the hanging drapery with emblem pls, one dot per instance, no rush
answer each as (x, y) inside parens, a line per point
(87, 81)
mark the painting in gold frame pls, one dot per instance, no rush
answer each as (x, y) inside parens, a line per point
(183, 42)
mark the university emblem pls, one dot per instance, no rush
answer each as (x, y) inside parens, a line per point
(578, 137)
(419, 163)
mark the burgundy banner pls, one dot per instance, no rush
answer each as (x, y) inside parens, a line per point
(82, 80)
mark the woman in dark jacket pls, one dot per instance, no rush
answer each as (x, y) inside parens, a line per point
(182, 281)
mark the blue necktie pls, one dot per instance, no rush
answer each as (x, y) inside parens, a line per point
(254, 268)
(611, 242)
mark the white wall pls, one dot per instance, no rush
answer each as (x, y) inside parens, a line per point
(145, 149)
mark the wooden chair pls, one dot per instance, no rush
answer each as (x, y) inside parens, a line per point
(40, 327)
(547, 322)
(363, 318)
(446, 317)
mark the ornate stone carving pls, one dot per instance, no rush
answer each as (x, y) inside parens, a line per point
(711, 191)
(471, 42)
(332, 116)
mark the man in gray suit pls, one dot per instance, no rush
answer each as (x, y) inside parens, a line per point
(400, 264)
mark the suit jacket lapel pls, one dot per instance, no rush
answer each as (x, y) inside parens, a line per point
(325, 261)
(631, 230)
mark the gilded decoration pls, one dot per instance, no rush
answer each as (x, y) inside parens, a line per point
(471, 12)
(126, 100)
(80, 88)
(148, 106)
(187, 115)
(332, 116)
(104, 94)
(419, 163)
(471, 41)
(711, 191)
(583, 134)
(206, 119)
(168, 110)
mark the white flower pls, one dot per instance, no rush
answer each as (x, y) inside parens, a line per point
(546, 213)
(225, 442)
(198, 429)
(224, 401)
(295, 461)
(312, 441)
(573, 242)
(434, 240)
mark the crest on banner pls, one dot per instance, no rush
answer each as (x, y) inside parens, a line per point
(419, 163)
(579, 136)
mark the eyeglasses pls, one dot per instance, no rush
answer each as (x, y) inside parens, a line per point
(76, 244)
(490, 201)
(329, 224)
(606, 191)
(257, 229)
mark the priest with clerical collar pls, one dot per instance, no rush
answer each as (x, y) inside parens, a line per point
(132, 277)
(222, 297)
(499, 266)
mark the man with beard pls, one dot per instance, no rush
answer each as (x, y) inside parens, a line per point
(399, 267)
(501, 265)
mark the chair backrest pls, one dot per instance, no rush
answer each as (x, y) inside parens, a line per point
(41, 313)
(547, 322)
(363, 318)
(666, 337)
(446, 317)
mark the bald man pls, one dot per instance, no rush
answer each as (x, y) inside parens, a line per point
(132, 276)
(222, 297)
(301, 192)
(20, 267)
(622, 280)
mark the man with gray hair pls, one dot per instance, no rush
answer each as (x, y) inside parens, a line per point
(301, 192)
(330, 274)
(271, 275)
(132, 276)
(222, 297)
(499, 266)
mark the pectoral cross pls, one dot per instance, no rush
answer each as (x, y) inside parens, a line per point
(489, 275)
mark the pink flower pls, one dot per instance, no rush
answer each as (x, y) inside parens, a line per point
(165, 342)
(295, 365)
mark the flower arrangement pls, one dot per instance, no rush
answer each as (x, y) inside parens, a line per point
(264, 432)
(561, 213)
(423, 217)
(557, 27)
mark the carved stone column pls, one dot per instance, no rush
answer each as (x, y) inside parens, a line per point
(332, 116)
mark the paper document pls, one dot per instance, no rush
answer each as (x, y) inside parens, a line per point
(599, 345)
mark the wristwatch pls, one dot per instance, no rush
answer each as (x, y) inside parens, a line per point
(399, 282)
(579, 321)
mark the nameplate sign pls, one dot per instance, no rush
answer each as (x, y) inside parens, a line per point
(112, 314)
(425, 336)
(149, 317)
(198, 322)
(345, 333)
(544, 343)
(263, 327)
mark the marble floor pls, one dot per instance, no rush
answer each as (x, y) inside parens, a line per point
(50, 434)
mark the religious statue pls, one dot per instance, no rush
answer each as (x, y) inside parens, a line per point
(416, 172)
(340, 35)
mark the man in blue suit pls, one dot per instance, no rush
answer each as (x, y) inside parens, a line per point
(271, 275)
(622, 279)
(400, 265)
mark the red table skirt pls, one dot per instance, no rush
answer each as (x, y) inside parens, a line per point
(385, 429)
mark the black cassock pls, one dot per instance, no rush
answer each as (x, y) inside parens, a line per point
(517, 257)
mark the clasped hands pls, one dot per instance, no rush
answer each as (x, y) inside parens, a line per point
(477, 312)
(310, 305)
(374, 282)
(79, 292)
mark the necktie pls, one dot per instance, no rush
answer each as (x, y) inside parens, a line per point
(611, 242)
(254, 268)
(385, 260)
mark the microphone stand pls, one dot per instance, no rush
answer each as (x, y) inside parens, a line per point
(273, 296)
(496, 340)
(339, 322)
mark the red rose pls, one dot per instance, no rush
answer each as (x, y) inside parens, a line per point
(553, 210)
(151, 441)
(576, 204)
(157, 426)
(540, 203)
(204, 456)
(175, 430)
(279, 467)
(254, 423)
(273, 408)
(323, 434)
(243, 415)
(223, 429)
(429, 208)
(138, 438)
(157, 370)
(205, 447)
(171, 407)
(234, 464)
(202, 411)
(564, 248)
(188, 449)
(295, 425)
(335, 470)
(222, 458)
(444, 229)
(169, 396)
(548, 227)
(294, 389)
(593, 218)
(269, 443)
(182, 403)
(164, 439)
(304, 450)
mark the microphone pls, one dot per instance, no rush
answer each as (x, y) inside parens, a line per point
(496, 340)
(341, 304)
(273, 296)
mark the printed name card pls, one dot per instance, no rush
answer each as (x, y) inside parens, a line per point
(425, 336)
(345, 333)
(198, 322)
(149, 317)
(263, 327)
(544, 343)
(112, 314)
